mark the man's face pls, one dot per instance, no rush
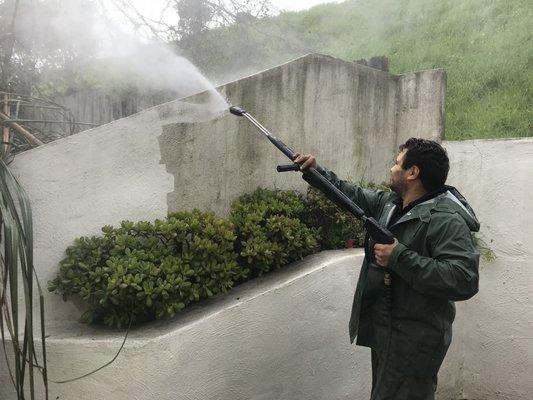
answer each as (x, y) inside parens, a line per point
(398, 180)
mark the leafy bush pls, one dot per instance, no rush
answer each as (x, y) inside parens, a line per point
(270, 229)
(336, 226)
(150, 270)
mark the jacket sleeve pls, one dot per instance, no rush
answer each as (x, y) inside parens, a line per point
(371, 201)
(452, 270)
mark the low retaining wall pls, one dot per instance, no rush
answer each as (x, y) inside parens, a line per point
(282, 336)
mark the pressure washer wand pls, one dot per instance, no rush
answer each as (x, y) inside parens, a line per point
(378, 233)
(275, 141)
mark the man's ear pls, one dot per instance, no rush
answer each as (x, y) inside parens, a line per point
(413, 173)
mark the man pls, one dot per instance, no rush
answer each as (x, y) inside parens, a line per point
(432, 263)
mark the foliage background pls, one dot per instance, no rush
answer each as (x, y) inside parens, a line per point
(486, 47)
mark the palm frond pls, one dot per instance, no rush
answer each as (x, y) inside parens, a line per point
(18, 273)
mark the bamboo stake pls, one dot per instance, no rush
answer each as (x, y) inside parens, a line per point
(5, 128)
(27, 135)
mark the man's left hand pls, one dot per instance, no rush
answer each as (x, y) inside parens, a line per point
(382, 253)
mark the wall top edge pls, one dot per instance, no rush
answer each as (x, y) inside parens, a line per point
(423, 71)
(492, 140)
(309, 57)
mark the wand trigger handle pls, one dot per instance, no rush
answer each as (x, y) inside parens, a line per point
(288, 167)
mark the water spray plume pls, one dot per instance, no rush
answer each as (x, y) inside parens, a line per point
(107, 57)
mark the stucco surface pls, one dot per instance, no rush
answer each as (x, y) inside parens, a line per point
(284, 336)
(495, 327)
(490, 356)
(78, 184)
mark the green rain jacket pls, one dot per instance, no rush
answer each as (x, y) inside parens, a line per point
(434, 265)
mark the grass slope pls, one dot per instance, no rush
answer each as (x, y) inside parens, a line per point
(485, 46)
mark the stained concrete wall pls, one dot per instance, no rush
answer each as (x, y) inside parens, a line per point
(351, 116)
(420, 105)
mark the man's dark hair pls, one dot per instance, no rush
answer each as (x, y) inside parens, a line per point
(430, 158)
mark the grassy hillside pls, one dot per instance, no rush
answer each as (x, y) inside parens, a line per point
(486, 47)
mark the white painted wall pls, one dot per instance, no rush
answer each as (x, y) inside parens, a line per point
(283, 336)
(81, 183)
(496, 326)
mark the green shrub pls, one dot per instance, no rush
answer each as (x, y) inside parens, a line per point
(336, 225)
(270, 229)
(150, 270)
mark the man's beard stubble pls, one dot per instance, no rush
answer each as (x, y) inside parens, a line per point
(398, 187)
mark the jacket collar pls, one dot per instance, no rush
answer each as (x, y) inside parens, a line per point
(421, 209)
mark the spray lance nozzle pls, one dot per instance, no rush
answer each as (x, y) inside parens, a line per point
(237, 111)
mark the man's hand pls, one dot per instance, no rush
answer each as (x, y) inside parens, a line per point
(305, 160)
(382, 253)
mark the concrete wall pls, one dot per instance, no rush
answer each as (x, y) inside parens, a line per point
(495, 327)
(351, 116)
(143, 166)
(420, 103)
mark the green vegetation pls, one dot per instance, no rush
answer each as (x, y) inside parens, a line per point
(18, 289)
(484, 249)
(270, 229)
(485, 46)
(335, 225)
(149, 270)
